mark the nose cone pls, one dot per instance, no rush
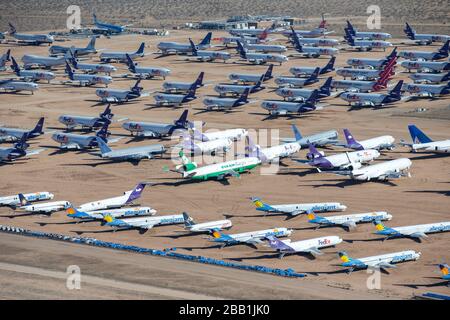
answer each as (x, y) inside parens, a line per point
(343, 207)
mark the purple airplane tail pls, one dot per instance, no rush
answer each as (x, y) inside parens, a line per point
(349, 138)
(313, 153)
(136, 193)
(277, 244)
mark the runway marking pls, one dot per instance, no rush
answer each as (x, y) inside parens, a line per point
(172, 293)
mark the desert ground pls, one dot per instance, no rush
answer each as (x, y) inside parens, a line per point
(80, 177)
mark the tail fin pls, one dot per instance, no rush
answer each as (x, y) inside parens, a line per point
(349, 138)
(136, 192)
(240, 49)
(188, 165)
(396, 91)
(188, 221)
(275, 243)
(15, 67)
(136, 87)
(141, 49)
(444, 269)
(344, 256)
(349, 37)
(311, 215)
(103, 146)
(445, 47)
(314, 75)
(130, 63)
(94, 16)
(379, 225)
(206, 40)
(264, 34)
(409, 31)
(103, 132)
(417, 135)
(22, 143)
(393, 54)
(326, 87)
(38, 127)
(91, 44)
(12, 29)
(350, 28)
(199, 81)
(194, 49)
(69, 71)
(261, 206)
(297, 44)
(313, 97)
(244, 95)
(191, 91)
(268, 74)
(7, 55)
(181, 122)
(297, 133)
(23, 201)
(329, 66)
(251, 147)
(107, 114)
(313, 152)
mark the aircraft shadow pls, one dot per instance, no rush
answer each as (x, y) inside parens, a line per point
(431, 156)
(417, 285)
(443, 192)
(43, 224)
(12, 216)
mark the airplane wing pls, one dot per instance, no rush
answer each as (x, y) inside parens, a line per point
(35, 151)
(228, 173)
(416, 234)
(296, 212)
(349, 224)
(313, 251)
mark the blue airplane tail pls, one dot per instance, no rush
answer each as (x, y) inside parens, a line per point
(136, 88)
(38, 128)
(91, 44)
(268, 74)
(417, 135)
(297, 133)
(297, 44)
(392, 55)
(329, 66)
(141, 49)
(261, 206)
(15, 67)
(103, 132)
(206, 40)
(130, 63)
(396, 91)
(350, 28)
(23, 201)
(444, 49)
(447, 66)
(69, 71)
(244, 96)
(199, 81)
(191, 91)
(12, 29)
(410, 32)
(313, 98)
(188, 221)
(181, 122)
(349, 37)
(103, 146)
(193, 47)
(314, 75)
(136, 193)
(107, 114)
(326, 87)
(219, 236)
(446, 77)
(240, 49)
(22, 143)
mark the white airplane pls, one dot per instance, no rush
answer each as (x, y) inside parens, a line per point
(249, 238)
(14, 200)
(91, 123)
(115, 213)
(274, 153)
(382, 261)
(372, 63)
(425, 66)
(44, 208)
(252, 78)
(145, 72)
(121, 56)
(31, 39)
(312, 52)
(424, 39)
(427, 90)
(208, 56)
(87, 79)
(265, 48)
(366, 34)
(192, 147)
(31, 75)
(310, 246)
(233, 134)
(347, 221)
(365, 45)
(442, 53)
(318, 139)
(429, 77)
(422, 142)
(259, 58)
(418, 231)
(210, 226)
(363, 99)
(92, 67)
(299, 208)
(386, 170)
(4, 58)
(127, 198)
(377, 143)
(143, 224)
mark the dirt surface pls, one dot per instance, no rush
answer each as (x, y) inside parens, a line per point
(72, 176)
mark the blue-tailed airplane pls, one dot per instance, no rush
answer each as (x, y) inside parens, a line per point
(30, 39)
(251, 78)
(430, 77)
(372, 63)
(259, 58)
(31, 75)
(121, 56)
(19, 150)
(15, 134)
(442, 53)
(308, 71)
(421, 142)
(277, 108)
(362, 99)
(292, 94)
(424, 39)
(107, 28)
(120, 95)
(91, 123)
(318, 139)
(4, 58)
(175, 100)
(370, 35)
(237, 89)
(132, 154)
(251, 238)
(86, 79)
(312, 52)
(70, 141)
(427, 90)
(208, 56)
(347, 221)
(17, 86)
(418, 231)
(226, 104)
(298, 82)
(365, 45)
(80, 51)
(145, 72)
(183, 48)
(426, 66)
(183, 87)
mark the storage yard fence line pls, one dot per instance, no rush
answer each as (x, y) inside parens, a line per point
(166, 253)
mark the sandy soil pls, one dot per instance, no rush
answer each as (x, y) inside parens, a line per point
(71, 176)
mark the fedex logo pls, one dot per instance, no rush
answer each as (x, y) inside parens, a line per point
(324, 242)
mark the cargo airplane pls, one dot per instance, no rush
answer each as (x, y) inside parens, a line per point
(91, 123)
(309, 246)
(251, 238)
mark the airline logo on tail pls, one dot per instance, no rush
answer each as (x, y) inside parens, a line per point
(379, 226)
(444, 269)
(108, 218)
(71, 211)
(344, 257)
(258, 203)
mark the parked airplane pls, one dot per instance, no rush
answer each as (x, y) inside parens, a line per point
(383, 261)
(420, 141)
(233, 134)
(183, 87)
(318, 139)
(15, 134)
(301, 95)
(208, 56)
(367, 74)
(30, 39)
(127, 198)
(308, 71)
(366, 35)
(424, 39)
(31, 60)
(363, 86)
(265, 48)
(320, 31)
(274, 153)
(237, 89)
(189, 145)
(444, 269)
(298, 82)
(210, 226)
(4, 58)
(348, 221)
(252, 78)
(17, 86)
(360, 99)
(183, 48)
(377, 143)
(115, 213)
(17, 151)
(257, 33)
(386, 170)
(252, 40)
(106, 28)
(92, 67)
(153, 129)
(372, 63)
(251, 238)
(121, 56)
(31, 75)
(310, 246)
(365, 45)
(226, 103)
(120, 95)
(277, 108)
(318, 42)
(80, 51)
(70, 141)
(416, 231)
(425, 66)
(145, 72)
(442, 53)
(143, 224)
(87, 79)
(44, 208)
(84, 122)
(427, 90)
(133, 154)
(350, 160)
(433, 78)
(259, 58)
(293, 210)
(312, 52)
(13, 201)
(175, 100)
(219, 171)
